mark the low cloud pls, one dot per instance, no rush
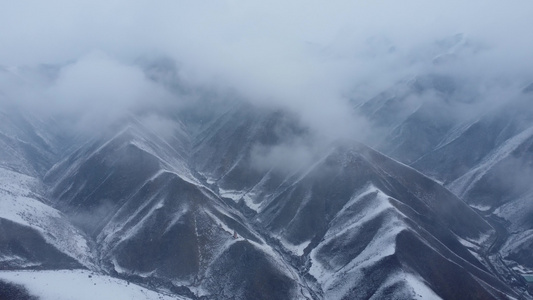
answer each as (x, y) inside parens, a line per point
(318, 60)
(88, 94)
(163, 127)
(287, 157)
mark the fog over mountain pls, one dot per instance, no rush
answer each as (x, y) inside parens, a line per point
(305, 56)
(276, 150)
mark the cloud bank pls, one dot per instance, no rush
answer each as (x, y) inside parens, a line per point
(314, 58)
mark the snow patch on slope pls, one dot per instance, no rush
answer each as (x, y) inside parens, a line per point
(418, 289)
(464, 183)
(337, 280)
(295, 249)
(519, 211)
(17, 184)
(18, 205)
(173, 165)
(18, 261)
(80, 285)
(249, 201)
(231, 194)
(515, 241)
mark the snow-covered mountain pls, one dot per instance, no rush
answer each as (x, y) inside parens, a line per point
(484, 158)
(34, 235)
(198, 208)
(190, 213)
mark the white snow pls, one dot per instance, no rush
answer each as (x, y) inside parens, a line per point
(476, 255)
(480, 207)
(455, 133)
(305, 173)
(342, 223)
(219, 222)
(16, 260)
(464, 183)
(231, 194)
(80, 285)
(482, 239)
(153, 204)
(517, 211)
(408, 286)
(516, 241)
(420, 290)
(121, 132)
(111, 230)
(466, 243)
(340, 281)
(475, 245)
(336, 280)
(18, 205)
(119, 269)
(177, 217)
(522, 270)
(295, 249)
(275, 258)
(167, 158)
(249, 201)
(16, 184)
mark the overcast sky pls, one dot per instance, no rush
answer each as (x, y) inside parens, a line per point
(308, 56)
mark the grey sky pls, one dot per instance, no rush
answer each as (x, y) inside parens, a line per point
(307, 56)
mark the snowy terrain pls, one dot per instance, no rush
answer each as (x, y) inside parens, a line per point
(189, 208)
(80, 285)
(20, 204)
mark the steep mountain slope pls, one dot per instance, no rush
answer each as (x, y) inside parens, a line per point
(500, 185)
(415, 115)
(153, 220)
(32, 233)
(487, 162)
(482, 136)
(195, 211)
(232, 165)
(332, 218)
(26, 145)
(483, 156)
